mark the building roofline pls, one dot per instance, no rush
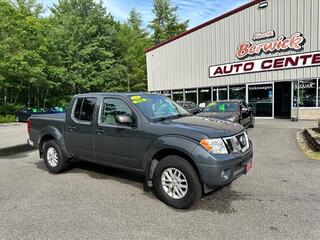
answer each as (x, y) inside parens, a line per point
(225, 15)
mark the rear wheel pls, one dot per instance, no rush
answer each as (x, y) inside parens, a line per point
(176, 182)
(54, 158)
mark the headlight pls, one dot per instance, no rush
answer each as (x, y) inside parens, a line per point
(215, 145)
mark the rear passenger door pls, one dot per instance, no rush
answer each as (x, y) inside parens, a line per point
(79, 132)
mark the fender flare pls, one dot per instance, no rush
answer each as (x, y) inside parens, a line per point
(55, 134)
(171, 142)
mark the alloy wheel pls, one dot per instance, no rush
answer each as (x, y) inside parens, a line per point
(52, 157)
(174, 183)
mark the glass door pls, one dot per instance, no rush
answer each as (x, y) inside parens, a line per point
(260, 97)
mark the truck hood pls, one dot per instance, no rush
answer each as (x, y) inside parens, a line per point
(220, 115)
(211, 127)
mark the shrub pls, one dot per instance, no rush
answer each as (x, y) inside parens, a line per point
(8, 108)
(7, 118)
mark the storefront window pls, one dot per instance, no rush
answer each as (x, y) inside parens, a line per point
(191, 95)
(204, 95)
(260, 98)
(177, 95)
(223, 93)
(307, 93)
(214, 94)
(237, 92)
(318, 92)
(166, 93)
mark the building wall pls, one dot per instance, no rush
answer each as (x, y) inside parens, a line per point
(184, 63)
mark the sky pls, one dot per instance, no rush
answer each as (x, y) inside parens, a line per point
(197, 11)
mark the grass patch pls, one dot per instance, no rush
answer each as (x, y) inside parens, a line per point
(7, 119)
(303, 144)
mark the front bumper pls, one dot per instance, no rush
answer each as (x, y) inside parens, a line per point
(219, 170)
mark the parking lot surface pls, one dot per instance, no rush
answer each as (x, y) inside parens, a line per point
(278, 199)
(13, 134)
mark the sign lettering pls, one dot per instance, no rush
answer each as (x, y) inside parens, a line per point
(266, 64)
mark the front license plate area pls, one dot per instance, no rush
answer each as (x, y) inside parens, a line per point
(247, 166)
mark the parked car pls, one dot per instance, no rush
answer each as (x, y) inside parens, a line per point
(181, 155)
(55, 110)
(191, 107)
(24, 113)
(236, 111)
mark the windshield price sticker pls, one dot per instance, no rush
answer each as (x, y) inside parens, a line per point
(140, 100)
(135, 97)
(221, 107)
(211, 104)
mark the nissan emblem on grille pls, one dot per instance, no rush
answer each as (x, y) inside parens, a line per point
(243, 140)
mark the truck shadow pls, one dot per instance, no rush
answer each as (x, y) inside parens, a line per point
(220, 200)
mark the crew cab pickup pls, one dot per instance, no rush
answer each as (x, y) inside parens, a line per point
(182, 156)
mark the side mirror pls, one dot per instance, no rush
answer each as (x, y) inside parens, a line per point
(124, 119)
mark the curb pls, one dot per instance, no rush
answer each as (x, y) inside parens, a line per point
(16, 149)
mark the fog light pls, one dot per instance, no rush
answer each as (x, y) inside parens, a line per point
(225, 174)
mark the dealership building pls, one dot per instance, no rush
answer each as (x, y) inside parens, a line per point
(266, 52)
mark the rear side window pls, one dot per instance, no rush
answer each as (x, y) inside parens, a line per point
(78, 108)
(84, 109)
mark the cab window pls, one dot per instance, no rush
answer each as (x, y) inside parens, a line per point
(111, 108)
(84, 109)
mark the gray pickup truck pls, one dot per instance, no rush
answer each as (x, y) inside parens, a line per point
(182, 156)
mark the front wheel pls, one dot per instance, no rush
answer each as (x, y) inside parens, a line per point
(176, 182)
(54, 158)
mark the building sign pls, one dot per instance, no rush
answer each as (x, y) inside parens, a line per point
(295, 42)
(266, 64)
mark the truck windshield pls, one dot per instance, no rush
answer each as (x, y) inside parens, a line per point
(157, 107)
(221, 107)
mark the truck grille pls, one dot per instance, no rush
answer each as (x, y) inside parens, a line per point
(237, 143)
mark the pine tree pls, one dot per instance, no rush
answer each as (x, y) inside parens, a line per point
(134, 39)
(166, 23)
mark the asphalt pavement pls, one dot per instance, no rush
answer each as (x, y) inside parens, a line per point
(278, 199)
(13, 134)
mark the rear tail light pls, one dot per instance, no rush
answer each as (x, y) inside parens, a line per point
(29, 125)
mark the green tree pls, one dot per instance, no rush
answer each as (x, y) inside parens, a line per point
(133, 40)
(21, 63)
(166, 22)
(83, 40)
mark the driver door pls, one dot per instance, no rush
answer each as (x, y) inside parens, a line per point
(116, 144)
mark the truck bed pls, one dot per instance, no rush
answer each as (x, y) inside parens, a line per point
(40, 122)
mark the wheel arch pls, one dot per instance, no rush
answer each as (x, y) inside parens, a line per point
(52, 133)
(161, 154)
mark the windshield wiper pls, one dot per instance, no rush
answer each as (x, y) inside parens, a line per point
(172, 117)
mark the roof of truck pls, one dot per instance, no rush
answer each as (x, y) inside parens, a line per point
(111, 93)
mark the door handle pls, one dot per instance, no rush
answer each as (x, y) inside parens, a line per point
(72, 129)
(100, 131)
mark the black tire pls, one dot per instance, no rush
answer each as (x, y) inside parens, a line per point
(252, 121)
(194, 189)
(62, 162)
